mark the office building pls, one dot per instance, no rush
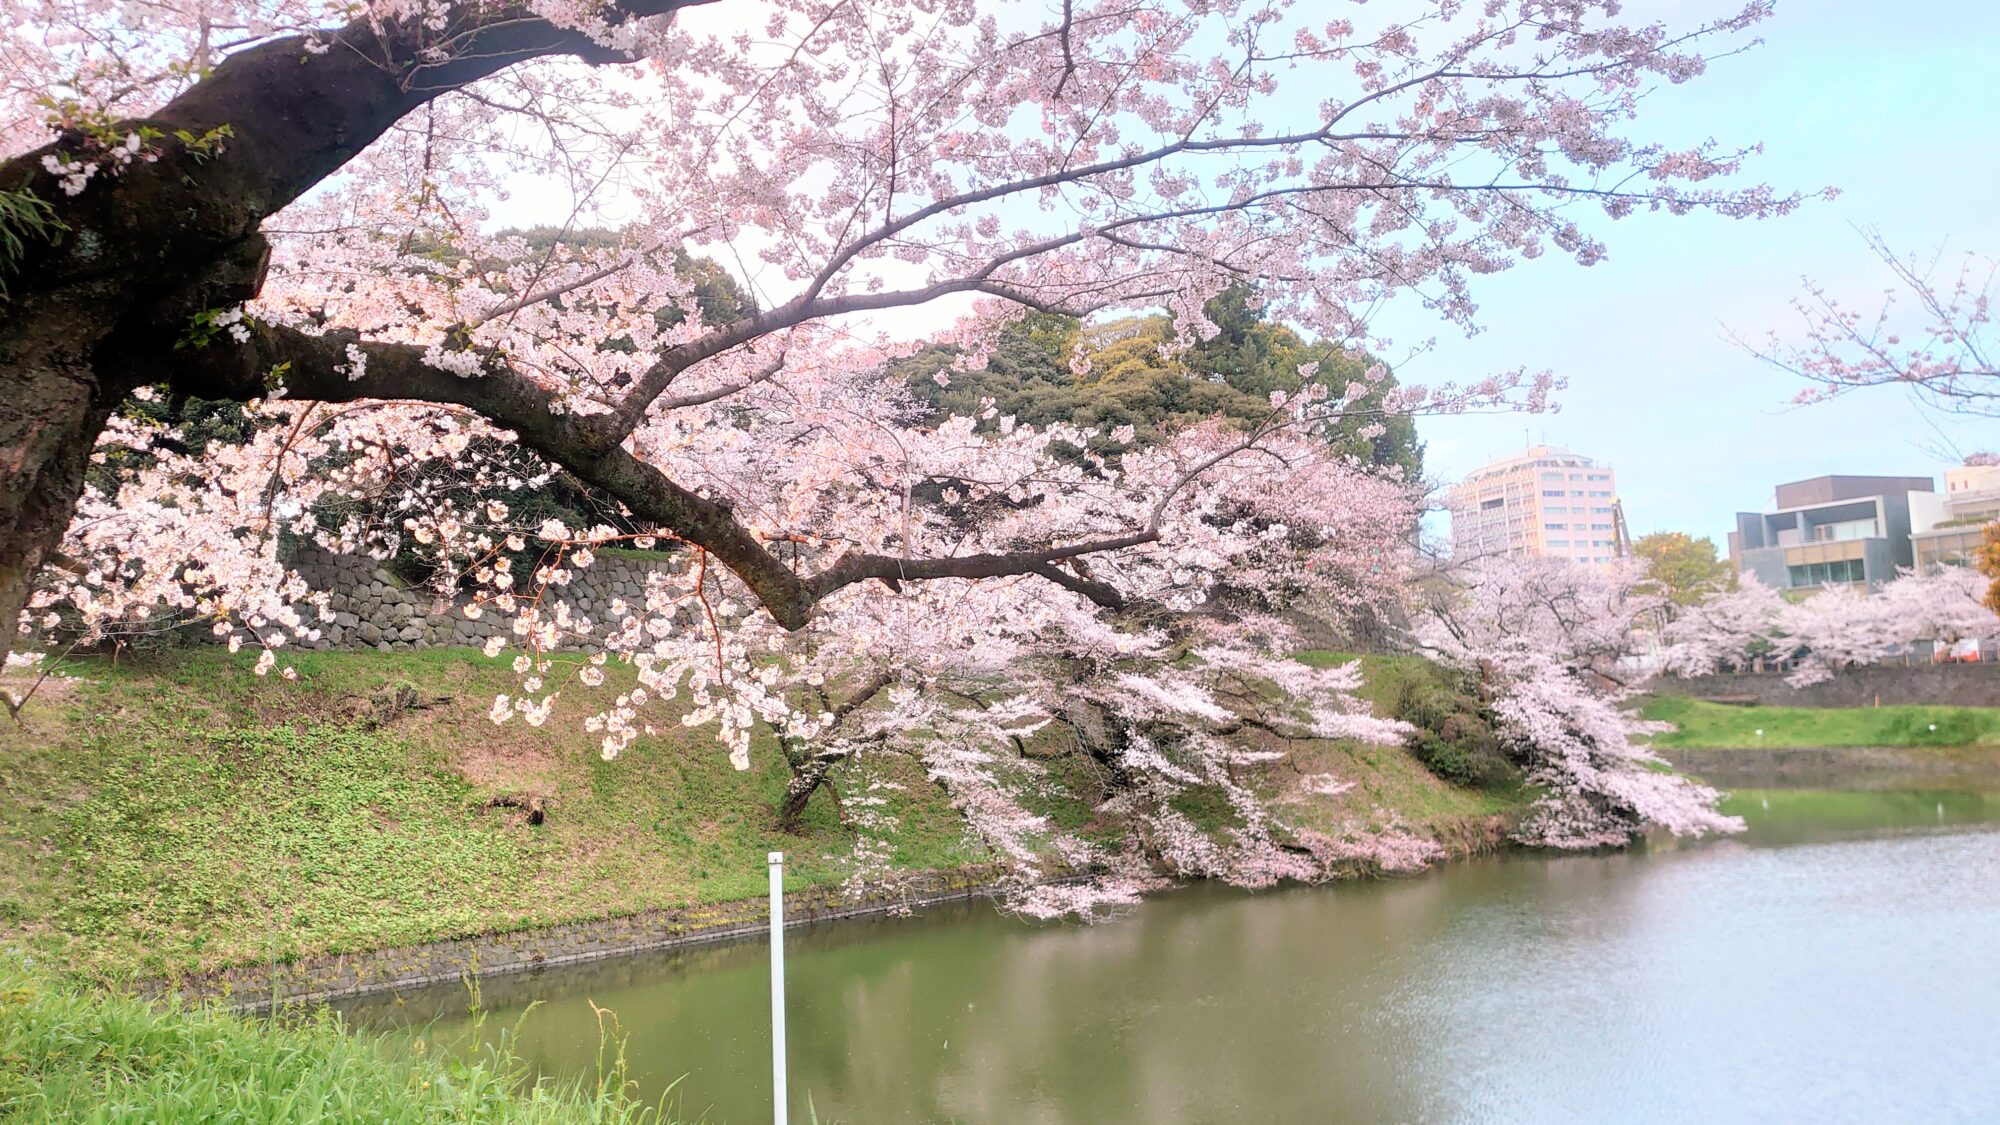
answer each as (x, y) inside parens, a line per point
(1831, 530)
(1544, 501)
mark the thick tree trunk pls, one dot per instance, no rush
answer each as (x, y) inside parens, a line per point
(65, 366)
(53, 403)
(49, 419)
(806, 780)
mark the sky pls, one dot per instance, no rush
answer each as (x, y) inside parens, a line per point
(1894, 105)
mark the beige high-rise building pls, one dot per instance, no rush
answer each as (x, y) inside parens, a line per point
(1544, 501)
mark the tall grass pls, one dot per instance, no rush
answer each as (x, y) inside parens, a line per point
(75, 1056)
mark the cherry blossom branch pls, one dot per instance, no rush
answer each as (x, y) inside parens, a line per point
(1943, 354)
(320, 368)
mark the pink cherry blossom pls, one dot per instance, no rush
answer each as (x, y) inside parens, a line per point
(1555, 640)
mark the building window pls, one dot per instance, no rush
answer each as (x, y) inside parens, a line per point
(1600, 476)
(1821, 574)
(1553, 492)
(1558, 542)
(1845, 529)
(1601, 493)
(1489, 505)
(1555, 527)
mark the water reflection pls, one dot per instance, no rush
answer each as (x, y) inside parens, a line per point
(1790, 816)
(1834, 965)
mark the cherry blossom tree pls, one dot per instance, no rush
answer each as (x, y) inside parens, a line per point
(294, 205)
(1552, 638)
(1133, 656)
(1943, 605)
(1724, 631)
(1165, 652)
(289, 203)
(1832, 629)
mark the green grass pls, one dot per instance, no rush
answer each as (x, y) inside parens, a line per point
(1383, 676)
(74, 1056)
(1703, 725)
(1388, 780)
(182, 815)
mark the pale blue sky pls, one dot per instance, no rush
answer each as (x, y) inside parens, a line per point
(1895, 105)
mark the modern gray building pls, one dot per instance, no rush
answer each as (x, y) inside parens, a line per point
(1829, 531)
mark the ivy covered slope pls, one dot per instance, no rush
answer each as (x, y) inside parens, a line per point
(181, 815)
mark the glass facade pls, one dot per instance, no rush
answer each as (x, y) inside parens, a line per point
(1821, 574)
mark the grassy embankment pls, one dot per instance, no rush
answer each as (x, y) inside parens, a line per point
(1719, 726)
(72, 1055)
(185, 815)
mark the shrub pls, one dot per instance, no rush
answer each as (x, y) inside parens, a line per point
(1951, 728)
(1455, 737)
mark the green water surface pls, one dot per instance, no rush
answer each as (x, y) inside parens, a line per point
(1838, 962)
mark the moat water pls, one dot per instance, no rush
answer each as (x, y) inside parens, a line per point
(1840, 961)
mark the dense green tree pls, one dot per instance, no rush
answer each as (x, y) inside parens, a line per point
(1135, 377)
(1680, 567)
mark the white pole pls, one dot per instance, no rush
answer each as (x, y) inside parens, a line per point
(777, 861)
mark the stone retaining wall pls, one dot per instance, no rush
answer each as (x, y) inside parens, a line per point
(1958, 685)
(1842, 767)
(373, 608)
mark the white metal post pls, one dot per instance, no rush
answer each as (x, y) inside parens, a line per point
(777, 861)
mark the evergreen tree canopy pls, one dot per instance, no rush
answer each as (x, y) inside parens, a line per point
(1130, 382)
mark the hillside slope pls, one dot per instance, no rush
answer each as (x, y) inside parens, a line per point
(186, 815)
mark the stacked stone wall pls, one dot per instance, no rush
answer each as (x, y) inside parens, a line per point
(1958, 685)
(374, 608)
